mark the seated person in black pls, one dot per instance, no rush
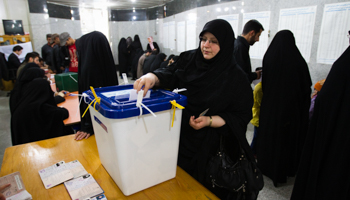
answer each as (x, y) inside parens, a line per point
(35, 116)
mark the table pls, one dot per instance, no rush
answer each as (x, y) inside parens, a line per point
(29, 158)
(72, 105)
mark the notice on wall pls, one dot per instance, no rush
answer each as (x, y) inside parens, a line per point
(257, 51)
(334, 30)
(166, 35)
(233, 20)
(301, 21)
(181, 42)
(171, 38)
(191, 36)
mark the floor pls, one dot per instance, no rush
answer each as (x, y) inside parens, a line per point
(269, 192)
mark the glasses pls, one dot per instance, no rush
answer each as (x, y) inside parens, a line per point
(211, 42)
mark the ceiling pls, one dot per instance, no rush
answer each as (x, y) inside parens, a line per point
(112, 4)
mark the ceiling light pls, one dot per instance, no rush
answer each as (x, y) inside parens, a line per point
(234, 8)
(242, 11)
(218, 9)
(134, 17)
(226, 9)
(72, 12)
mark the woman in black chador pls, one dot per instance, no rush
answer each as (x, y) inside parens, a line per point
(97, 69)
(215, 82)
(166, 63)
(136, 53)
(324, 172)
(157, 61)
(284, 110)
(122, 56)
(36, 115)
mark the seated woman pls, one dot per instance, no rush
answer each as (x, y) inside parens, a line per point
(213, 80)
(35, 116)
(157, 61)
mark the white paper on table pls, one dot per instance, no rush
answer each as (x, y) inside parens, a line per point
(24, 195)
(55, 174)
(83, 187)
(76, 168)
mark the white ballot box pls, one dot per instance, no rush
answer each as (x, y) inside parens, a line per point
(138, 151)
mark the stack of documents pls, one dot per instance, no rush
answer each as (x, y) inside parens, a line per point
(79, 183)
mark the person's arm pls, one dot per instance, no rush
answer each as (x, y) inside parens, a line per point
(243, 60)
(204, 121)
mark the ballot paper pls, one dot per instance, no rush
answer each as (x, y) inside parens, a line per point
(84, 187)
(55, 174)
(76, 168)
(17, 190)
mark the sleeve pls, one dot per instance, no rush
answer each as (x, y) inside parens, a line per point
(43, 54)
(238, 115)
(242, 58)
(259, 95)
(156, 46)
(14, 61)
(53, 60)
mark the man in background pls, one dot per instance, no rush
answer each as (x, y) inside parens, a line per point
(57, 63)
(66, 40)
(250, 34)
(14, 62)
(30, 57)
(46, 51)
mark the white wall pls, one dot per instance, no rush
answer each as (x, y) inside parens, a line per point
(14, 9)
(204, 14)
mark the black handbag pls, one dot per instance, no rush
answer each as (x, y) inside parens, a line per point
(240, 175)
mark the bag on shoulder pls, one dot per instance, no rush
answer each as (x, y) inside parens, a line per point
(241, 175)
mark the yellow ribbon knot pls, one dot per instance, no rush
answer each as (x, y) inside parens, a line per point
(173, 107)
(96, 100)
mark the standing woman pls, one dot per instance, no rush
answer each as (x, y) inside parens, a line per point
(323, 172)
(96, 69)
(215, 82)
(136, 53)
(152, 45)
(286, 86)
(122, 56)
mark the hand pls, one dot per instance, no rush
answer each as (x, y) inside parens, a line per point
(66, 93)
(2, 189)
(314, 93)
(81, 135)
(62, 68)
(200, 122)
(258, 73)
(148, 81)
